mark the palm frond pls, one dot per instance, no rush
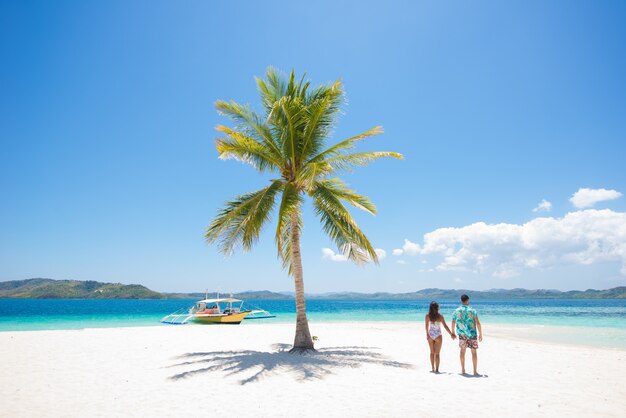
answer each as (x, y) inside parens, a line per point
(303, 87)
(345, 145)
(250, 123)
(350, 161)
(290, 204)
(246, 149)
(271, 89)
(312, 172)
(322, 109)
(341, 227)
(337, 188)
(241, 220)
(287, 118)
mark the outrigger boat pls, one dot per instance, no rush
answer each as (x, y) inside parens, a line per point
(216, 311)
(219, 311)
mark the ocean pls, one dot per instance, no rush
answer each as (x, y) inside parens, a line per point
(595, 322)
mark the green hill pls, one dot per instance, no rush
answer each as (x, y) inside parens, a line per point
(74, 289)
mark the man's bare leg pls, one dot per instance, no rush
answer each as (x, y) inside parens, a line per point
(475, 360)
(463, 360)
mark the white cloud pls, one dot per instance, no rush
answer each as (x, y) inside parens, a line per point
(586, 198)
(400, 261)
(458, 280)
(398, 252)
(380, 253)
(329, 254)
(505, 250)
(544, 205)
(410, 248)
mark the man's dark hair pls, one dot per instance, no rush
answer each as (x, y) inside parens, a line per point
(464, 298)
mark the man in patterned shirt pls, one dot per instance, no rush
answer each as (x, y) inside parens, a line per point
(466, 320)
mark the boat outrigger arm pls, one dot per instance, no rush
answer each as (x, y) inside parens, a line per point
(259, 314)
(177, 318)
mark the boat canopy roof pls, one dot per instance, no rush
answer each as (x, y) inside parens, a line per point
(227, 300)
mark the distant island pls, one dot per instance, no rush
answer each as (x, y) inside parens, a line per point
(89, 289)
(493, 294)
(76, 289)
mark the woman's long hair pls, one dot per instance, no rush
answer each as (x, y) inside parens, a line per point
(433, 311)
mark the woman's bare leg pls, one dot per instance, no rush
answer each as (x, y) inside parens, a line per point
(431, 344)
(437, 348)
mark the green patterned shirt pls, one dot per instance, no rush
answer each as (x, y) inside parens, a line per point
(465, 318)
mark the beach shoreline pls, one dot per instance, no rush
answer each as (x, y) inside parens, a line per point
(365, 369)
(569, 335)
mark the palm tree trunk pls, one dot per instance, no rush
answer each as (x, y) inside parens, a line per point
(302, 341)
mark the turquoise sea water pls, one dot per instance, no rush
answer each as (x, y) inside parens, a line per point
(608, 317)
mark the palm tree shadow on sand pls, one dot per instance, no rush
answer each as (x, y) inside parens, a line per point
(256, 365)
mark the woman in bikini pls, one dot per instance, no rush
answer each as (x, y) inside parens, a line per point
(433, 323)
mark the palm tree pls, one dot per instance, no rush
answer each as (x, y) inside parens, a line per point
(288, 141)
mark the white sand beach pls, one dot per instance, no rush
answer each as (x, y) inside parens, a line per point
(360, 369)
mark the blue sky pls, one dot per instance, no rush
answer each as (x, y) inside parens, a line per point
(108, 170)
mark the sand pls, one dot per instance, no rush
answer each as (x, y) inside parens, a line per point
(359, 370)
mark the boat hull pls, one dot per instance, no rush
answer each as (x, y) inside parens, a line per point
(233, 319)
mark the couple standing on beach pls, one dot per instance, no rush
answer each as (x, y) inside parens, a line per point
(465, 320)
